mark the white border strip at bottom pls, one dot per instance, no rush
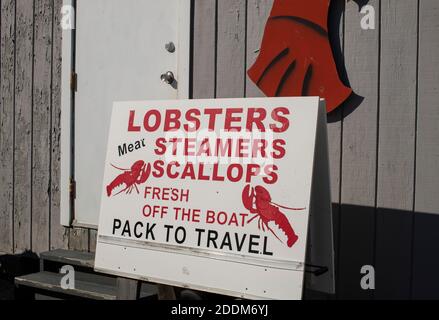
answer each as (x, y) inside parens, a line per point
(236, 258)
(179, 285)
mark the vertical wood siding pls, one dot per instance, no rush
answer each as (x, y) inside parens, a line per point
(23, 125)
(396, 142)
(425, 227)
(384, 148)
(41, 129)
(30, 108)
(7, 114)
(377, 139)
(358, 152)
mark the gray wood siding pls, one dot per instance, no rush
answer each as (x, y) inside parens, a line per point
(358, 153)
(425, 236)
(375, 145)
(23, 126)
(396, 146)
(7, 114)
(384, 148)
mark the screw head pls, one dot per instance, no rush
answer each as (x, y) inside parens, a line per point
(170, 47)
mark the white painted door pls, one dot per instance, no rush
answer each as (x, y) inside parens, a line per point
(120, 56)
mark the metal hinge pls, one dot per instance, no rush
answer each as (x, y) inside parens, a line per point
(74, 81)
(72, 189)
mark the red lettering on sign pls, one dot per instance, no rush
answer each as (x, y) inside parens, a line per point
(279, 149)
(172, 120)
(271, 173)
(224, 148)
(161, 147)
(259, 148)
(231, 118)
(236, 119)
(256, 117)
(194, 122)
(279, 115)
(157, 117)
(210, 217)
(131, 126)
(235, 172)
(253, 170)
(212, 114)
(169, 170)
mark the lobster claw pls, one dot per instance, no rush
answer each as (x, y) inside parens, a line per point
(282, 222)
(248, 195)
(145, 172)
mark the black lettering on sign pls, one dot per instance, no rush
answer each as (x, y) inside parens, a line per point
(126, 230)
(212, 236)
(200, 232)
(130, 147)
(116, 225)
(180, 235)
(266, 252)
(168, 229)
(150, 232)
(138, 234)
(226, 242)
(240, 244)
(137, 230)
(254, 242)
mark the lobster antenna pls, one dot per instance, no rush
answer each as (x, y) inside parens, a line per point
(119, 168)
(287, 208)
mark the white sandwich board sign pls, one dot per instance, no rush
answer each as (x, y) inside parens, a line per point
(218, 195)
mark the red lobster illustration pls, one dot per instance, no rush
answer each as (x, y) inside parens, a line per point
(258, 201)
(296, 57)
(138, 174)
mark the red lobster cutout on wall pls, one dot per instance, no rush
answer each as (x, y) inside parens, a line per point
(296, 57)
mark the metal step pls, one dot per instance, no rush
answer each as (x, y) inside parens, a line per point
(67, 257)
(87, 286)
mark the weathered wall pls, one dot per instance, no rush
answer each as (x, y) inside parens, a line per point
(384, 149)
(384, 153)
(30, 101)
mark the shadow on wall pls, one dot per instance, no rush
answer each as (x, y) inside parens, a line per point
(402, 246)
(12, 266)
(335, 18)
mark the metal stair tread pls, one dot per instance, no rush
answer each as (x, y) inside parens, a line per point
(68, 257)
(84, 286)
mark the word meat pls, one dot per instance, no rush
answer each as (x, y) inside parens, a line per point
(130, 147)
